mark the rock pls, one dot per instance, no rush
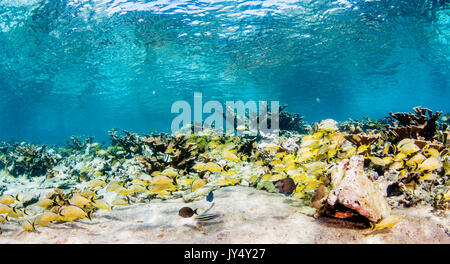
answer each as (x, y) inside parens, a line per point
(353, 189)
(290, 145)
(328, 125)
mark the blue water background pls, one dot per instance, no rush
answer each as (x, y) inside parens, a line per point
(85, 67)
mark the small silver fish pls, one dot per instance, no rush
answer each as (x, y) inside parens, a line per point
(206, 217)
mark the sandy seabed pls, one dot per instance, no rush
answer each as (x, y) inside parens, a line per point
(247, 215)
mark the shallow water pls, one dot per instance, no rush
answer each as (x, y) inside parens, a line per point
(85, 67)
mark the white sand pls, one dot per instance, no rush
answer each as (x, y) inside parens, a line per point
(248, 216)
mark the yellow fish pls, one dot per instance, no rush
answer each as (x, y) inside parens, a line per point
(271, 147)
(428, 176)
(157, 188)
(387, 222)
(197, 184)
(279, 155)
(229, 173)
(71, 213)
(387, 160)
(45, 218)
(430, 164)
(213, 144)
(277, 177)
(308, 141)
(88, 193)
(98, 173)
(333, 152)
(135, 188)
(351, 151)
(97, 183)
(185, 181)
(229, 181)
(113, 186)
(79, 200)
(431, 152)
(306, 156)
(230, 156)
(446, 166)
(16, 213)
(100, 204)
(4, 209)
(400, 156)
(386, 149)
(229, 146)
(317, 166)
(447, 194)
(170, 150)
(362, 148)
(161, 180)
(102, 152)
(28, 226)
(397, 165)
(140, 182)
(121, 200)
(199, 166)
(210, 166)
(156, 173)
(407, 146)
(7, 199)
(45, 202)
(416, 159)
(377, 161)
(122, 191)
(3, 219)
(170, 172)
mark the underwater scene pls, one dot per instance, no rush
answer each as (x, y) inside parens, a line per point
(224, 122)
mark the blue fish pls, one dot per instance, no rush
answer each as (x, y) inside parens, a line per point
(210, 197)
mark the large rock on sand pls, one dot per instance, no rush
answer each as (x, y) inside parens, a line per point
(353, 189)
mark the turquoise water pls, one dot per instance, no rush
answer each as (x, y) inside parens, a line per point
(85, 67)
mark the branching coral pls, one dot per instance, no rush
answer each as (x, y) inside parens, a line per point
(30, 159)
(130, 142)
(173, 152)
(291, 122)
(362, 139)
(77, 143)
(422, 123)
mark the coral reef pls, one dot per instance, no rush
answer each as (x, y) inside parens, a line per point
(348, 173)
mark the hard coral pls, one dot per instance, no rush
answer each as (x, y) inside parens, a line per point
(27, 158)
(130, 142)
(419, 123)
(77, 144)
(291, 122)
(167, 151)
(362, 139)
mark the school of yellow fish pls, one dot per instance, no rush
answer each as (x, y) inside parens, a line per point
(221, 164)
